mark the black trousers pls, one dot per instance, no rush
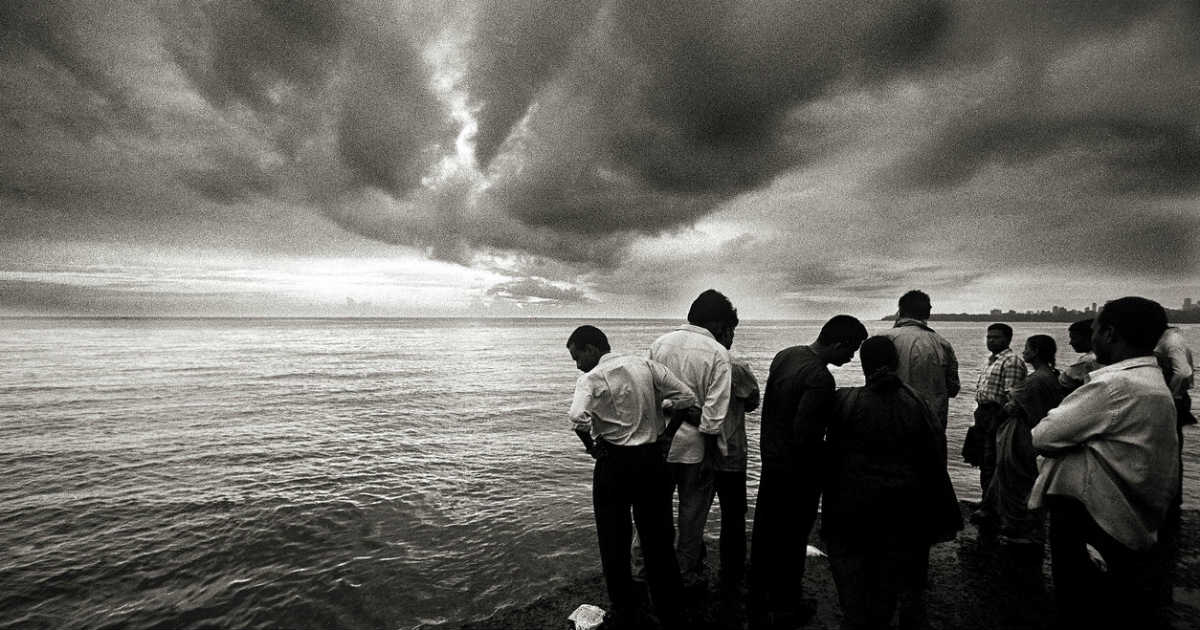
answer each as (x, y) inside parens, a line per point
(1123, 595)
(731, 493)
(783, 519)
(636, 478)
(871, 582)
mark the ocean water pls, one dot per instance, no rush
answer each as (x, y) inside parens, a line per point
(401, 473)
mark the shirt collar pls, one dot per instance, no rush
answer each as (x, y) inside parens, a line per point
(1003, 354)
(911, 321)
(696, 329)
(1135, 362)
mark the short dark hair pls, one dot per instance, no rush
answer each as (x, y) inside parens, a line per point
(1004, 328)
(1139, 321)
(877, 352)
(1081, 326)
(843, 329)
(1044, 347)
(712, 306)
(915, 303)
(587, 335)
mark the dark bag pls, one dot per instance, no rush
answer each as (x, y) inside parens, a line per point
(972, 448)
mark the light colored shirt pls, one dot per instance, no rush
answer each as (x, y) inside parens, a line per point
(745, 393)
(1175, 358)
(1111, 444)
(618, 400)
(927, 364)
(702, 363)
(1004, 370)
(1076, 374)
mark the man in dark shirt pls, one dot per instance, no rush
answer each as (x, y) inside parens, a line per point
(795, 413)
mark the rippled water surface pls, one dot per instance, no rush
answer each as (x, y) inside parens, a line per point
(319, 473)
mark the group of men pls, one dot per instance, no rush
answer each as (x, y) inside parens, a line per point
(1109, 476)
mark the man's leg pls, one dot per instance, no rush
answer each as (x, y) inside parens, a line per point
(1077, 582)
(911, 567)
(652, 512)
(853, 582)
(611, 503)
(731, 492)
(696, 489)
(985, 416)
(783, 518)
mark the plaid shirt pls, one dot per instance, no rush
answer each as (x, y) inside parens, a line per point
(1004, 370)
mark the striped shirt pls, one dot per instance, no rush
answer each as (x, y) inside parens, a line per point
(1004, 370)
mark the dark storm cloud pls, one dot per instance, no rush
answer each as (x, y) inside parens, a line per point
(536, 290)
(666, 109)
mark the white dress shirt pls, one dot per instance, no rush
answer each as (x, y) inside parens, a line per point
(1111, 444)
(701, 362)
(618, 400)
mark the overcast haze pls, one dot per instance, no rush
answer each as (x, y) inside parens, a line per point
(614, 158)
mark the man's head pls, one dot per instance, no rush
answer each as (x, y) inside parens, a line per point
(999, 337)
(915, 304)
(1080, 335)
(714, 312)
(1126, 328)
(586, 345)
(878, 352)
(841, 336)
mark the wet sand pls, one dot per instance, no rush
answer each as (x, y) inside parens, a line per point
(973, 584)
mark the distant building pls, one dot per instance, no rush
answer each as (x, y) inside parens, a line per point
(1187, 304)
(995, 312)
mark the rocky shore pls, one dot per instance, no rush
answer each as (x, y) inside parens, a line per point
(974, 583)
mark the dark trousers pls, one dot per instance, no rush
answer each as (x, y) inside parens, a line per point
(872, 582)
(636, 477)
(783, 519)
(988, 417)
(731, 492)
(1121, 596)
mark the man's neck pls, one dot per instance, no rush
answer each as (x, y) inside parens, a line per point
(823, 351)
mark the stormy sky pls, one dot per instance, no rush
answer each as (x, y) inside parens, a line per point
(595, 158)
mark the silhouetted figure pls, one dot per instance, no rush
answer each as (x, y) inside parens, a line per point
(1109, 474)
(1080, 338)
(731, 469)
(887, 497)
(796, 410)
(616, 414)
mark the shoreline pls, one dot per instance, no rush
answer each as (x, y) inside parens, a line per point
(972, 584)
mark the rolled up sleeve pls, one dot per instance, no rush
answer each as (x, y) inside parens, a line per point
(581, 413)
(716, 403)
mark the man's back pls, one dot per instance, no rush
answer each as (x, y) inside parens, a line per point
(927, 364)
(1125, 473)
(702, 363)
(794, 372)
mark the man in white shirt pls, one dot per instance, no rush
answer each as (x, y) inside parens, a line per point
(616, 413)
(693, 354)
(1109, 474)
